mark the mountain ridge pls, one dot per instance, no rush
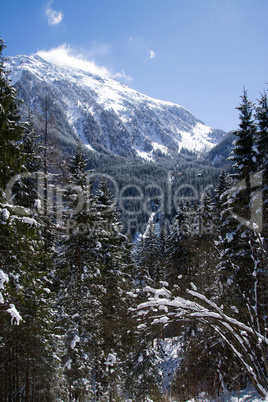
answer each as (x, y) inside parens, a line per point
(109, 116)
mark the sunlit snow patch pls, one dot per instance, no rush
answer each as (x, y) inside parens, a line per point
(145, 155)
(197, 140)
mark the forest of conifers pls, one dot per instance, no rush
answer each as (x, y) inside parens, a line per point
(84, 313)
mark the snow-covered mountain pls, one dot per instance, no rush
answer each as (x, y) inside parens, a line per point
(107, 115)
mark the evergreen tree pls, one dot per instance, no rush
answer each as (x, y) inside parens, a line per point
(178, 261)
(78, 166)
(221, 194)
(206, 365)
(148, 256)
(144, 376)
(244, 152)
(202, 247)
(25, 189)
(226, 226)
(11, 130)
(262, 133)
(262, 143)
(237, 237)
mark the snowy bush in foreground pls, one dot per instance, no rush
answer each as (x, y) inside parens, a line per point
(247, 343)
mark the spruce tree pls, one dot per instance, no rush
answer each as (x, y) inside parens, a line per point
(238, 210)
(11, 130)
(178, 260)
(262, 144)
(144, 376)
(32, 154)
(244, 152)
(148, 252)
(262, 132)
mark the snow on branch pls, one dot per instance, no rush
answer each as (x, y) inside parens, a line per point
(247, 342)
(15, 315)
(3, 279)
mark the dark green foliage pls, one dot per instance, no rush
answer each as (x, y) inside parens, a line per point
(148, 257)
(206, 366)
(244, 153)
(238, 252)
(144, 374)
(262, 133)
(262, 144)
(10, 128)
(178, 266)
(28, 350)
(219, 154)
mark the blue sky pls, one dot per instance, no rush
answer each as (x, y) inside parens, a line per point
(196, 53)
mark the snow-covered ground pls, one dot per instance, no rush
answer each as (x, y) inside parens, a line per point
(170, 355)
(169, 349)
(247, 395)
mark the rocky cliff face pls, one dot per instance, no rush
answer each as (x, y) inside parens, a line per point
(108, 116)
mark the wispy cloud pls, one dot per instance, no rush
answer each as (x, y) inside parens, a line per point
(123, 76)
(54, 17)
(152, 54)
(65, 56)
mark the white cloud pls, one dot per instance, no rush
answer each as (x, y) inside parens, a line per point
(123, 76)
(152, 54)
(54, 17)
(64, 56)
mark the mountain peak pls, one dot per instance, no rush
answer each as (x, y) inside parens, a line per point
(108, 115)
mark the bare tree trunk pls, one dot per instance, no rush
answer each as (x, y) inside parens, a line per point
(33, 383)
(27, 378)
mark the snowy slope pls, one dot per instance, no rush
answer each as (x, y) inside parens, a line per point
(245, 395)
(108, 115)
